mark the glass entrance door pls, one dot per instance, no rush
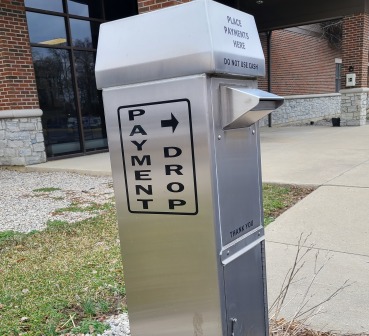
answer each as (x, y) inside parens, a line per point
(63, 35)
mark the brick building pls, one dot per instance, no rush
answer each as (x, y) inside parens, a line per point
(49, 105)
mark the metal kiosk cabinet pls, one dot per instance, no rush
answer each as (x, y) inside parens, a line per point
(181, 104)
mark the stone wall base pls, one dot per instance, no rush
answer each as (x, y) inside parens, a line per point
(353, 106)
(298, 110)
(21, 138)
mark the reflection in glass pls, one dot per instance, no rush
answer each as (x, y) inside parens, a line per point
(90, 101)
(46, 29)
(73, 118)
(57, 100)
(84, 33)
(51, 5)
(87, 8)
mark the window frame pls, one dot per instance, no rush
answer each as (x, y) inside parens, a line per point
(71, 50)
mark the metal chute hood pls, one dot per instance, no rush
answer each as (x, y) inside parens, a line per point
(243, 107)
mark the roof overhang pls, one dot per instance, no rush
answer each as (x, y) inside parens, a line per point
(276, 14)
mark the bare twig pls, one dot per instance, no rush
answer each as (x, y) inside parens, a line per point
(297, 266)
(303, 315)
(330, 297)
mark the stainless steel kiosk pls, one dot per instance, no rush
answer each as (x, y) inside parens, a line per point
(182, 105)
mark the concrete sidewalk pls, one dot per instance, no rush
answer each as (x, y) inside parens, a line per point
(95, 164)
(336, 215)
(315, 155)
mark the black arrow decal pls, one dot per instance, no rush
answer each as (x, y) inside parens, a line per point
(172, 122)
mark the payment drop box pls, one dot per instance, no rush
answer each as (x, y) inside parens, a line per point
(182, 109)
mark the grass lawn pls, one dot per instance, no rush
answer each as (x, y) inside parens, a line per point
(68, 277)
(278, 198)
(51, 281)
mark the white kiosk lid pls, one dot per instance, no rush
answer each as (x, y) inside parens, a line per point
(201, 36)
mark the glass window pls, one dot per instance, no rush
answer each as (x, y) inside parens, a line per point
(86, 8)
(84, 33)
(90, 100)
(46, 29)
(338, 76)
(51, 5)
(57, 100)
(73, 118)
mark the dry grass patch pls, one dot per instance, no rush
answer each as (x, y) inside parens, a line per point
(52, 281)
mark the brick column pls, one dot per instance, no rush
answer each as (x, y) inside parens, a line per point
(150, 5)
(21, 138)
(355, 51)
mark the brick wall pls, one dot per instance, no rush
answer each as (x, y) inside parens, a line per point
(17, 80)
(301, 64)
(355, 44)
(150, 5)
